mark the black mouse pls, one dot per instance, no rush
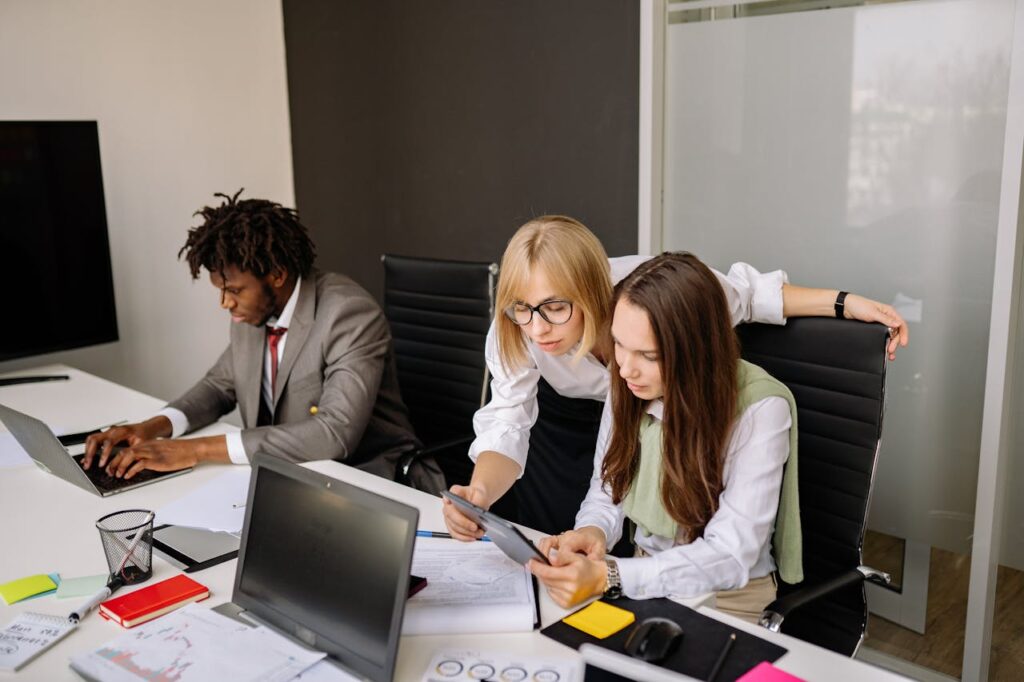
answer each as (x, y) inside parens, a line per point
(654, 639)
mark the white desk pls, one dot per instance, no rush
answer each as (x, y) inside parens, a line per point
(48, 525)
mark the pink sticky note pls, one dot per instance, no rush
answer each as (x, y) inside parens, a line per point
(766, 672)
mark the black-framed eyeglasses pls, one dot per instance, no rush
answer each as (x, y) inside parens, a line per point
(557, 311)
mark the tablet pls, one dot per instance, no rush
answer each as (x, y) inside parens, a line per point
(193, 549)
(504, 534)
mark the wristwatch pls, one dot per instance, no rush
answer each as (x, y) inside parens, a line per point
(614, 589)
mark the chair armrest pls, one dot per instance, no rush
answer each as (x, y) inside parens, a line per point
(406, 460)
(778, 610)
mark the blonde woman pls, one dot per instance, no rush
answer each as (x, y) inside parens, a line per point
(550, 374)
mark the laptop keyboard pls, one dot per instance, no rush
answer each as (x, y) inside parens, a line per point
(104, 482)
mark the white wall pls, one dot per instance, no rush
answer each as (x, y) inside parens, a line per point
(191, 98)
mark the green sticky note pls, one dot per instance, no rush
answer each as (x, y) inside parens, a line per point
(19, 589)
(80, 587)
(55, 577)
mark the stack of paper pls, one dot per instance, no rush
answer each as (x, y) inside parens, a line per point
(471, 587)
(218, 505)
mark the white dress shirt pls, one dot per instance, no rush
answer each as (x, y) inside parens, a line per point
(236, 450)
(503, 424)
(737, 543)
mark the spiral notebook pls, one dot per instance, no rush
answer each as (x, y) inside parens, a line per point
(29, 635)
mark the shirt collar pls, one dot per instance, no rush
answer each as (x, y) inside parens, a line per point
(656, 408)
(289, 308)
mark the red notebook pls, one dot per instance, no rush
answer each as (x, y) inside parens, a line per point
(153, 601)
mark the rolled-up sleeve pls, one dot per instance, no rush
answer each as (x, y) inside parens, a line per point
(503, 424)
(753, 296)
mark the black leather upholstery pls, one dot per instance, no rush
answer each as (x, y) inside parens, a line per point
(836, 371)
(439, 312)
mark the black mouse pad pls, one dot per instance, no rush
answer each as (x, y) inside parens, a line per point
(703, 639)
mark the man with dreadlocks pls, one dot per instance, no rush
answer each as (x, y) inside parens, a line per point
(309, 364)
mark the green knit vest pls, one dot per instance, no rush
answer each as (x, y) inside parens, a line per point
(643, 501)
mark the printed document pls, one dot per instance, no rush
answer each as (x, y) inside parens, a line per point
(218, 505)
(472, 587)
(196, 644)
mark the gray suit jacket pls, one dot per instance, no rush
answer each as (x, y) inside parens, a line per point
(338, 359)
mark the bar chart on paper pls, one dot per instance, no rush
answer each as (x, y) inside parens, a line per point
(193, 645)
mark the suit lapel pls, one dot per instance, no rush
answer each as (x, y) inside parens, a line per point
(298, 330)
(251, 341)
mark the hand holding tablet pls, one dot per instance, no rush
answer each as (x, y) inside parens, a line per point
(505, 535)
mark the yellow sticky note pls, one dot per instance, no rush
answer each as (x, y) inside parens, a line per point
(600, 619)
(19, 589)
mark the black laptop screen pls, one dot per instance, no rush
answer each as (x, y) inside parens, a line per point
(329, 558)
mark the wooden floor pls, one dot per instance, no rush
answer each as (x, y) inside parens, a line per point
(941, 647)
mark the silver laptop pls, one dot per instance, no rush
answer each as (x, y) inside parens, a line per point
(326, 564)
(50, 456)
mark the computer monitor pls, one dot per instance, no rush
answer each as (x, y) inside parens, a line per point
(53, 238)
(326, 562)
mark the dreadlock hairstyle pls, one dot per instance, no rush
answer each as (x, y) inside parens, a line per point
(253, 235)
(698, 353)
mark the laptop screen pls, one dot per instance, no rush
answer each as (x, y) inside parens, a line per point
(327, 562)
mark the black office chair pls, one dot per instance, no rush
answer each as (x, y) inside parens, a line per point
(836, 371)
(439, 312)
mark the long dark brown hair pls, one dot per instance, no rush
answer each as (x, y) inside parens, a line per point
(698, 353)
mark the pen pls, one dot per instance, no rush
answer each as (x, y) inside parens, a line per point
(89, 604)
(135, 540)
(722, 656)
(78, 438)
(440, 534)
(12, 381)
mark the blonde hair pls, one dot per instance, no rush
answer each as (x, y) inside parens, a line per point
(576, 266)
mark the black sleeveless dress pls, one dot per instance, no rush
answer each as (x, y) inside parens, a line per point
(559, 463)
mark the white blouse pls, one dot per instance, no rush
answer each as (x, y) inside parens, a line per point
(503, 424)
(737, 543)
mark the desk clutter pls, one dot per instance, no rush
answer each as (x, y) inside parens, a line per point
(704, 648)
(196, 644)
(471, 587)
(153, 601)
(29, 635)
(28, 587)
(462, 666)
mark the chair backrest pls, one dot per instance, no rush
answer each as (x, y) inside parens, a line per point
(439, 312)
(836, 371)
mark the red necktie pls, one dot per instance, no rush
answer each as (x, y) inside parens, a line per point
(274, 335)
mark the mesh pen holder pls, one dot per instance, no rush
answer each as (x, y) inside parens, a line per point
(118, 531)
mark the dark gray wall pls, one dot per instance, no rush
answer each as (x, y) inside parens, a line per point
(435, 128)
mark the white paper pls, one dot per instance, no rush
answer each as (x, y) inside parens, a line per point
(195, 644)
(472, 587)
(11, 452)
(219, 505)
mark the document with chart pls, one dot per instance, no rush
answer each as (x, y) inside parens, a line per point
(196, 645)
(471, 587)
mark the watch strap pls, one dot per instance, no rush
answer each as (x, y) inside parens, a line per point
(840, 306)
(614, 588)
